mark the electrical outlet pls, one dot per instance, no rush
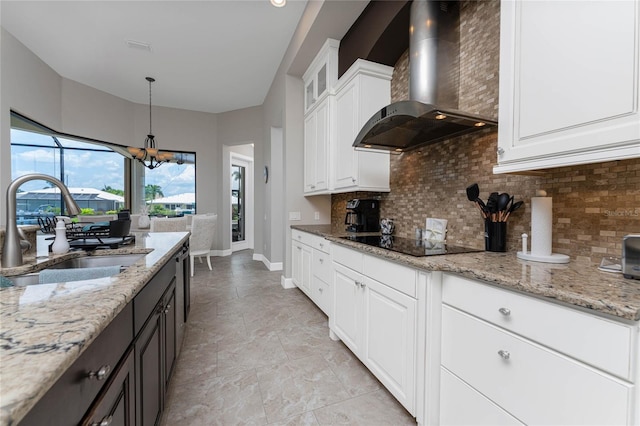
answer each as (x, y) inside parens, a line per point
(316, 215)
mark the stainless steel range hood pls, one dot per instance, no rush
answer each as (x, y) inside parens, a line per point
(431, 115)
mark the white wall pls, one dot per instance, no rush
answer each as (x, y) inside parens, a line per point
(283, 107)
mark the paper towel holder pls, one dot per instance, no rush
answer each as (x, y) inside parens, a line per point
(552, 258)
(545, 255)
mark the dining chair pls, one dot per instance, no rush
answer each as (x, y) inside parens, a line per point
(168, 224)
(202, 234)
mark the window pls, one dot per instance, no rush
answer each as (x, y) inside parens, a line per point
(170, 189)
(96, 173)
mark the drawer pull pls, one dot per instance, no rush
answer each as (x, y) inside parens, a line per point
(504, 354)
(104, 422)
(321, 260)
(166, 309)
(321, 245)
(101, 374)
(505, 311)
(320, 289)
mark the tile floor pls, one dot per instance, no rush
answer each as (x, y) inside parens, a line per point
(255, 353)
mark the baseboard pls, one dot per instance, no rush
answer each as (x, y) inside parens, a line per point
(286, 282)
(221, 253)
(271, 266)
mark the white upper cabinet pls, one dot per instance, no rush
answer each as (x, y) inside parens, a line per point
(321, 75)
(316, 147)
(334, 112)
(569, 83)
(362, 91)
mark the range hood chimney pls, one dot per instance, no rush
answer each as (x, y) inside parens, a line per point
(431, 115)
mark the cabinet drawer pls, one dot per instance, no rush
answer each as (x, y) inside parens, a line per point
(396, 276)
(321, 294)
(321, 265)
(75, 387)
(147, 299)
(302, 237)
(597, 341)
(347, 257)
(532, 383)
(320, 243)
(460, 404)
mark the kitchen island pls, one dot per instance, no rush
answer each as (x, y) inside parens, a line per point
(46, 328)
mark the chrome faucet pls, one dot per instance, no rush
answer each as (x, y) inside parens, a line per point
(14, 239)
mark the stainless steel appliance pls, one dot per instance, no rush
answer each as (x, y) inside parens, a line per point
(431, 115)
(362, 215)
(631, 256)
(410, 246)
(183, 292)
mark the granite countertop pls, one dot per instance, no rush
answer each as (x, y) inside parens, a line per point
(44, 328)
(574, 283)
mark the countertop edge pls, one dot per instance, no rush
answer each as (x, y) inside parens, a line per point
(550, 289)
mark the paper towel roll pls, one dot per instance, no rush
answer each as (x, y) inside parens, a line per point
(541, 225)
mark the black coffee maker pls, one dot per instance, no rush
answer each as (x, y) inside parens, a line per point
(362, 216)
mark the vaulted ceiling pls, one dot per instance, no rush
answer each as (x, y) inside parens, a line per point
(210, 56)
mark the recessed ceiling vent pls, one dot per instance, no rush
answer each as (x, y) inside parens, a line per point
(140, 45)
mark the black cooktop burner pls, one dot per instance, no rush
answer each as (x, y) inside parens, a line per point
(410, 246)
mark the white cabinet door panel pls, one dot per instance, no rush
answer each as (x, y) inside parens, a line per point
(552, 95)
(347, 302)
(569, 83)
(346, 119)
(390, 339)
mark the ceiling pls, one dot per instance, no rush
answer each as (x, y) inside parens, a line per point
(211, 56)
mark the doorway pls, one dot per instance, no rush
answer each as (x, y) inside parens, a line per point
(241, 202)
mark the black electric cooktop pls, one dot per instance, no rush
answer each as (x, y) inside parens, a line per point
(410, 246)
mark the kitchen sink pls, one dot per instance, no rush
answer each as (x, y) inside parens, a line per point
(123, 260)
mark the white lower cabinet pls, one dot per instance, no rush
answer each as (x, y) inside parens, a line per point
(311, 267)
(377, 322)
(346, 320)
(505, 368)
(301, 263)
(390, 339)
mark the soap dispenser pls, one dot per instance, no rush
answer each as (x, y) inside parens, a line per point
(60, 244)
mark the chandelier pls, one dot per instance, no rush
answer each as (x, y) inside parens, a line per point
(150, 156)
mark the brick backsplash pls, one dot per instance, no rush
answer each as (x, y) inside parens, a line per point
(594, 205)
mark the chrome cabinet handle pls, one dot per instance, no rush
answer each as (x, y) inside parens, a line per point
(505, 311)
(321, 260)
(500, 151)
(504, 354)
(320, 289)
(166, 309)
(101, 374)
(104, 422)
